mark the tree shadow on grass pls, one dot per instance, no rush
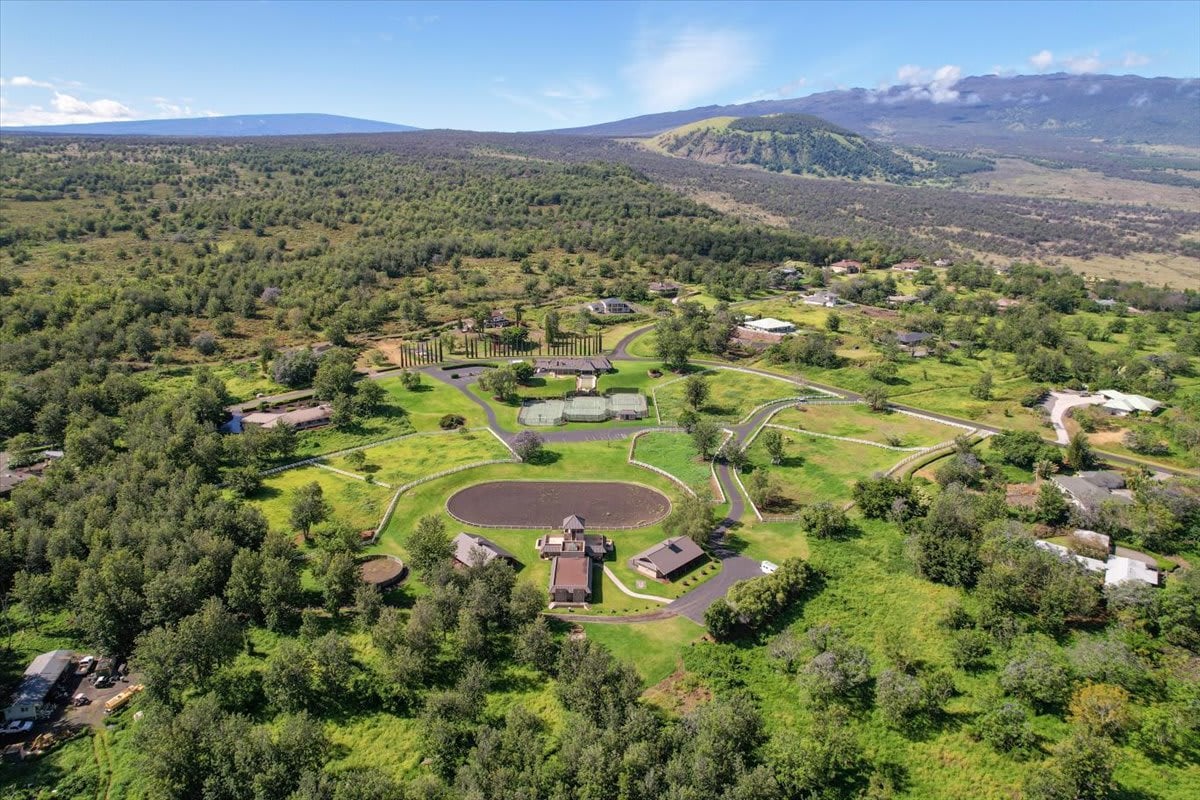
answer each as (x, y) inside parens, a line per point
(264, 493)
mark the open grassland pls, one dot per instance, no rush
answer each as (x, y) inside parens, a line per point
(860, 422)
(1153, 269)
(815, 470)
(356, 503)
(653, 647)
(675, 453)
(244, 380)
(1014, 176)
(732, 395)
(604, 460)
(413, 457)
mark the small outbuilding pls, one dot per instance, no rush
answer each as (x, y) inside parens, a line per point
(33, 697)
(769, 325)
(668, 559)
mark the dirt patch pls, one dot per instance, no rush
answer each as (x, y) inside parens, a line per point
(544, 504)
(1106, 437)
(678, 693)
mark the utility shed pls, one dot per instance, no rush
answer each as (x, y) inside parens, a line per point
(41, 676)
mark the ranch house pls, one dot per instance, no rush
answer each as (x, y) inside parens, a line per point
(668, 559)
(582, 365)
(471, 549)
(610, 305)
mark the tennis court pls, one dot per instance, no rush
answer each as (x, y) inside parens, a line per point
(585, 408)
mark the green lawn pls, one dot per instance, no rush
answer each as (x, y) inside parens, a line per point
(432, 400)
(860, 422)
(652, 647)
(732, 396)
(356, 503)
(407, 459)
(815, 470)
(674, 453)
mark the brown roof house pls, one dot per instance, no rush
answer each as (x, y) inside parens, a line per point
(668, 559)
(301, 418)
(572, 554)
(471, 549)
(572, 365)
(663, 288)
(1089, 490)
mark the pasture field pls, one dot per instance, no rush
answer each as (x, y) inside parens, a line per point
(816, 469)
(860, 422)
(674, 453)
(407, 459)
(732, 395)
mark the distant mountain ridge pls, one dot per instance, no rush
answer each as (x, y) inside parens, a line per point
(984, 110)
(235, 125)
(802, 144)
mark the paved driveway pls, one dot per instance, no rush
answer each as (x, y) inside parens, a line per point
(1059, 403)
(733, 569)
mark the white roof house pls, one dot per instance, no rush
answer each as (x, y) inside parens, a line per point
(1122, 403)
(1121, 569)
(770, 325)
(1117, 569)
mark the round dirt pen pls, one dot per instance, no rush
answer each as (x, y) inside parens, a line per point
(383, 571)
(536, 505)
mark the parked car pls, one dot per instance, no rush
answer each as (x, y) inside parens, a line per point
(81, 699)
(103, 681)
(86, 664)
(768, 567)
(19, 726)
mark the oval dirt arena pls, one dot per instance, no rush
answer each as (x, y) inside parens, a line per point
(544, 504)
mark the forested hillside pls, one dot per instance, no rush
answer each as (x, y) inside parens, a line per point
(805, 145)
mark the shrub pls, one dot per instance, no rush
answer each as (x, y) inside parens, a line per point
(528, 445)
(826, 521)
(1005, 727)
(451, 421)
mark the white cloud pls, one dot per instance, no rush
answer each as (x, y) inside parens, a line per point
(690, 66)
(1139, 100)
(1083, 65)
(1042, 61)
(96, 110)
(1133, 59)
(1093, 89)
(24, 81)
(932, 85)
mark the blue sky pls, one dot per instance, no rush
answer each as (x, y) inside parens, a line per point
(531, 66)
